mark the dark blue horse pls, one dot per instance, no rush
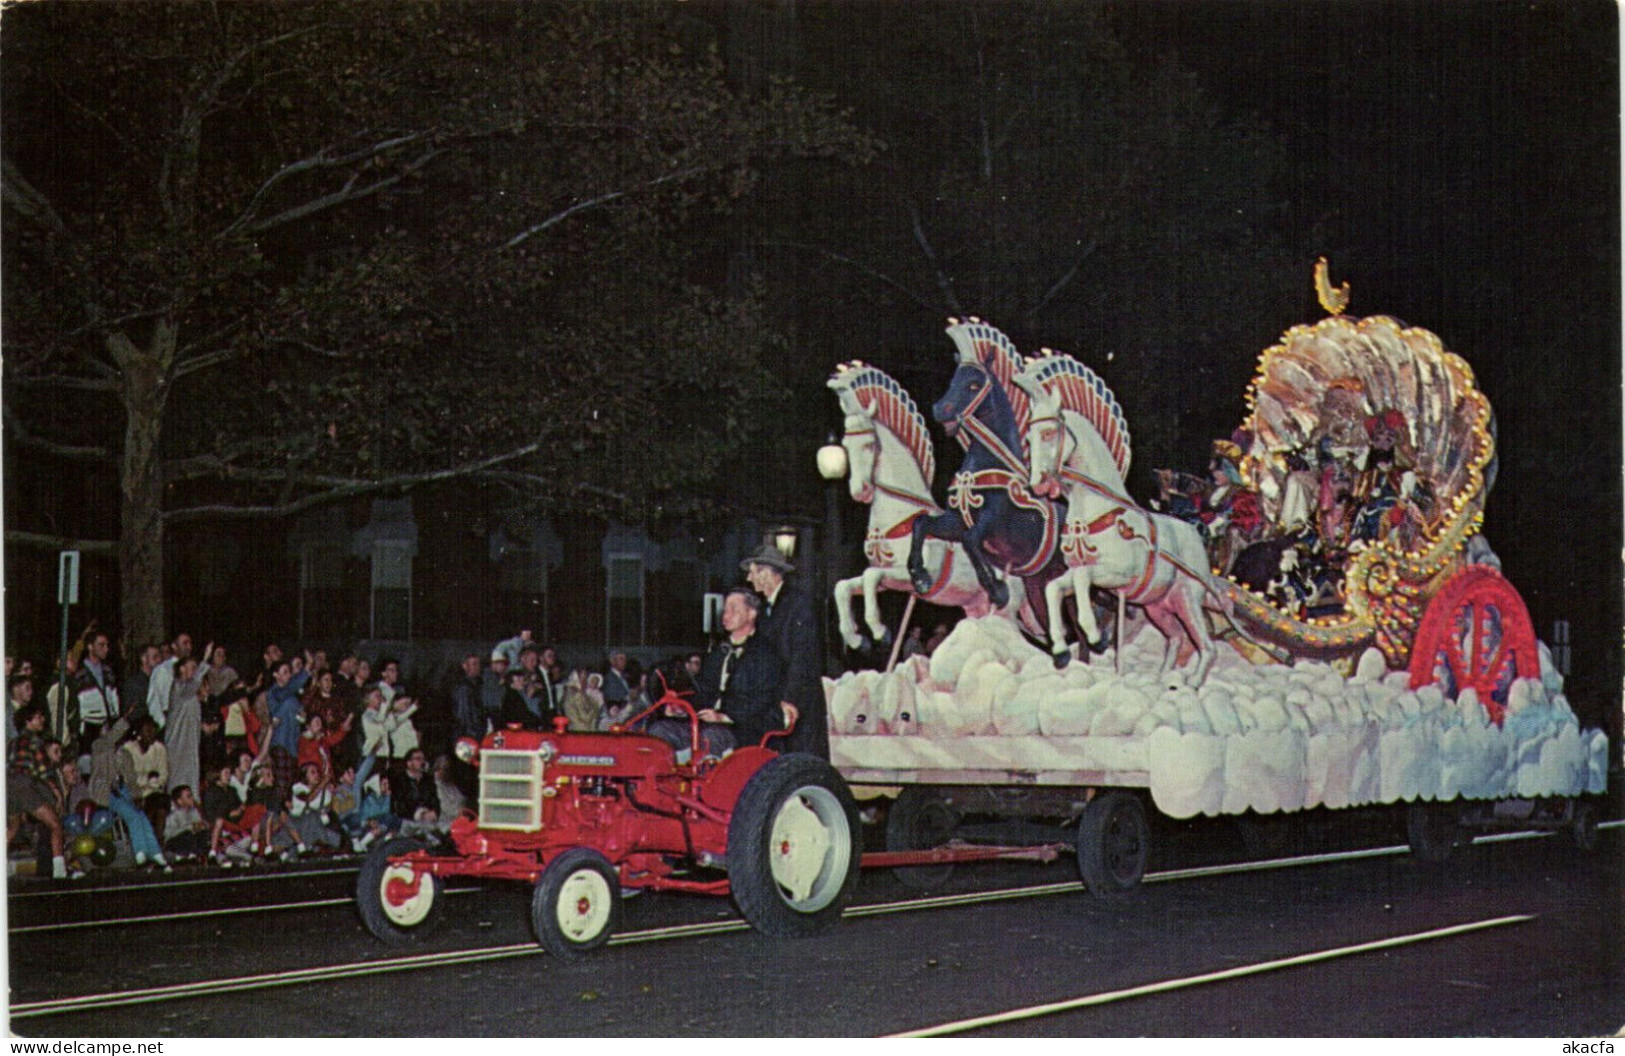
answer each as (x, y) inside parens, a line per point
(990, 510)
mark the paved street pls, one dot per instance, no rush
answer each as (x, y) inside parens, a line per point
(1540, 955)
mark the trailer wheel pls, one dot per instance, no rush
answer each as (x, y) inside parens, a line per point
(792, 847)
(1114, 843)
(1433, 831)
(397, 903)
(1583, 828)
(919, 820)
(1272, 835)
(577, 903)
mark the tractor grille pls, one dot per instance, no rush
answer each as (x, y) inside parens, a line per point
(510, 790)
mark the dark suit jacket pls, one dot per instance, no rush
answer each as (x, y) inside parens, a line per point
(752, 697)
(516, 709)
(794, 629)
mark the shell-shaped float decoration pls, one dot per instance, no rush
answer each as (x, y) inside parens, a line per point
(1370, 367)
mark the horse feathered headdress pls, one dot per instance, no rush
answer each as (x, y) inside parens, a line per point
(870, 391)
(1081, 391)
(980, 343)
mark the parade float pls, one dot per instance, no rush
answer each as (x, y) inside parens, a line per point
(1318, 622)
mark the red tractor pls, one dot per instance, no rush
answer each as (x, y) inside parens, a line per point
(584, 816)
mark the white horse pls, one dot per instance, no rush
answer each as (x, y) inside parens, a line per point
(1078, 444)
(889, 450)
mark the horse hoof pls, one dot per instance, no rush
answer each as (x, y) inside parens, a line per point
(1063, 658)
(999, 595)
(921, 582)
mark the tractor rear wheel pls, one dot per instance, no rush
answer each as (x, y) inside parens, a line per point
(577, 903)
(793, 847)
(919, 820)
(1114, 843)
(398, 904)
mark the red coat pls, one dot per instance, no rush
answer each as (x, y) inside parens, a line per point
(319, 750)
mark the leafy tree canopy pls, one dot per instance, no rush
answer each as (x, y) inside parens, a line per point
(276, 254)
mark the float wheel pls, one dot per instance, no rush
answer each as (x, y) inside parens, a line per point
(1114, 843)
(1583, 826)
(920, 820)
(1434, 831)
(1476, 632)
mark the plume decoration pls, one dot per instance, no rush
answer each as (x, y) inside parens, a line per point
(888, 404)
(1082, 392)
(983, 343)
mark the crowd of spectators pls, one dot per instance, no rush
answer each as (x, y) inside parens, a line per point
(191, 759)
(194, 758)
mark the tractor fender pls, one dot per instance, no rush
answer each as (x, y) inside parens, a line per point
(722, 787)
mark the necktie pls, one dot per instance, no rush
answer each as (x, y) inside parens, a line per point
(728, 667)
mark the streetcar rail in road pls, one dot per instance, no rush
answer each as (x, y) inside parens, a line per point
(204, 988)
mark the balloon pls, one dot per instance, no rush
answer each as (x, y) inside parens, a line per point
(100, 822)
(84, 846)
(73, 824)
(104, 854)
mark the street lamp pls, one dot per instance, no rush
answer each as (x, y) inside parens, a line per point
(832, 460)
(784, 538)
(832, 466)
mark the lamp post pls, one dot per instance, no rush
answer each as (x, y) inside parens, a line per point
(784, 541)
(832, 466)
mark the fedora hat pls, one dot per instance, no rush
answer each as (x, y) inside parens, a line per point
(767, 554)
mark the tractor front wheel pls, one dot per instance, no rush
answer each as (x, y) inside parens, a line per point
(792, 847)
(398, 904)
(577, 903)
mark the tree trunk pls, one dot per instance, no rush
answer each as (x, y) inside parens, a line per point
(145, 391)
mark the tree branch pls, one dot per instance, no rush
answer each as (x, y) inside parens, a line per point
(917, 224)
(40, 541)
(344, 195)
(535, 481)
(1065, 279)
(78, 452)
(857, 265)
(27, 202)
(603, 199)
(317, 162)
(64, 381)
(336, 488)
(96, 116)
(330, 353)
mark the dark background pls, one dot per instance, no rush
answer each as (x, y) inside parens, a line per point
(1458, 163)
(1465, 159)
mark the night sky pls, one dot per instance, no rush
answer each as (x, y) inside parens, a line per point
(1459, 165)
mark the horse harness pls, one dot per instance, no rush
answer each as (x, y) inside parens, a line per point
(875, 545)
(1009, 477)
(1075, 535)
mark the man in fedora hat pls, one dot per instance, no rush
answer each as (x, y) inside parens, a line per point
(790, 623)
